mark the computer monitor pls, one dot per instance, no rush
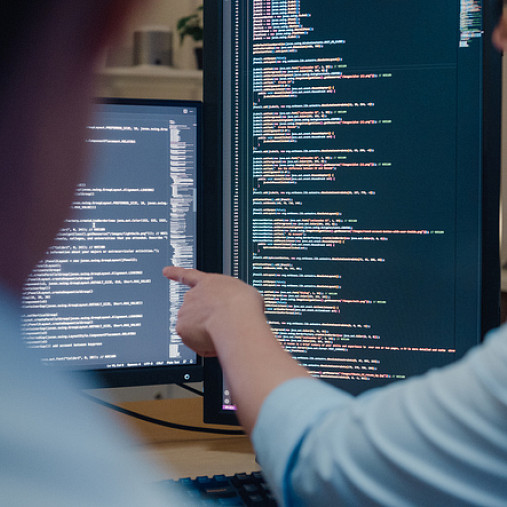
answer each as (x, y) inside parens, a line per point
(359, 146)
(98, 301)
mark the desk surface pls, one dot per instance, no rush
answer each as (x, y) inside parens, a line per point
(183, 453)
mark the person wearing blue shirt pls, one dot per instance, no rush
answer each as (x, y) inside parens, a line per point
(440, 439)
(56, 448)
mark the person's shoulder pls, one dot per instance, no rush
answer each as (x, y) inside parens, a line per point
(490, 357)
(497, 337)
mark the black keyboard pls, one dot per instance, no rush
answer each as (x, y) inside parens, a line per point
(239, 489)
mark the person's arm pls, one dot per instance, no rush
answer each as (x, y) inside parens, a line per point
(438, 439)
(223, 316)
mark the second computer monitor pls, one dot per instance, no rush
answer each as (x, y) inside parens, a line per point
(98, 301)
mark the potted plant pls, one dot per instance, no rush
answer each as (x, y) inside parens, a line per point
(192, 26)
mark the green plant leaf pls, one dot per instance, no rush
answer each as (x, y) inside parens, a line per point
(191, 25)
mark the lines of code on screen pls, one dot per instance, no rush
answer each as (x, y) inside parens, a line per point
(98, 299)
(355, 142)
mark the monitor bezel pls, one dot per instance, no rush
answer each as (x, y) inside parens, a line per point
(491, 143)
(168, 374)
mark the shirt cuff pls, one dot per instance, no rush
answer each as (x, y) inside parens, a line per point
(285, 417)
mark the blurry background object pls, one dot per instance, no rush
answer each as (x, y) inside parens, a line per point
(122, 74)
(162, 14)
(153, 46)
(192, 26)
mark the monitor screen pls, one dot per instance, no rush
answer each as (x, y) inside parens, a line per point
(360, 160)
(98, 300)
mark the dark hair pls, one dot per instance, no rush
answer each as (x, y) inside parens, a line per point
(18, 19)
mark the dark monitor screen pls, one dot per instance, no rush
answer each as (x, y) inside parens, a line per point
(360, 159)
(98, 300)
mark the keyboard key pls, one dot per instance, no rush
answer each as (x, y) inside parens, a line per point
(220, 491)
(186, 481)
(257, 500)
(250, 489)
(204, 480)
(243, 478)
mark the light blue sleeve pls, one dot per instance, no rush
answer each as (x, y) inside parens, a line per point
(439, 439)
(58, 449)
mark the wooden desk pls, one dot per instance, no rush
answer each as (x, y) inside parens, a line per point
(183, 453)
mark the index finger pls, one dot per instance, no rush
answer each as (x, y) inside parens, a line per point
(185, 276)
